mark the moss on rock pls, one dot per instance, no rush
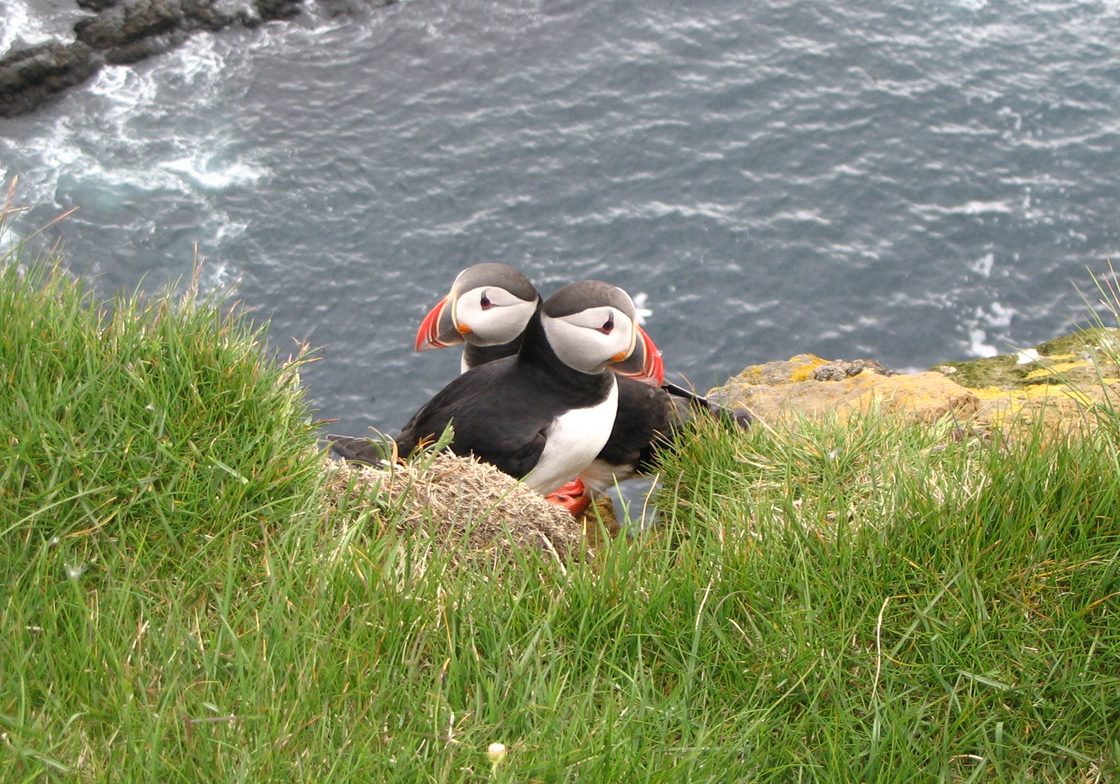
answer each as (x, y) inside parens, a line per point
(1082, 358)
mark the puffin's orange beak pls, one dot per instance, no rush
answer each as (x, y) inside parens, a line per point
(438, 330)
(644, 362)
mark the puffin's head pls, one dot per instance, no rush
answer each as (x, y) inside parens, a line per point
(488, 305)
(591, 325)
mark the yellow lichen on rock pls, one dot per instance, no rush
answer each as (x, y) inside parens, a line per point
(782, 389)
(1022, 406)
(1053, 369)
(1004, 391)
(797, 368)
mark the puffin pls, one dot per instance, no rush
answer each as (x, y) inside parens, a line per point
(487, 310)
(544, 413)
(650, 409)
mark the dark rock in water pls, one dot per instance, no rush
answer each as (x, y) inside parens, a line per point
(122, 31)
(125, 31)
(143, 48)
(128, 22)
(213, 16)
(277, 9)
(336, 8)
(32, 76)
(96, 5)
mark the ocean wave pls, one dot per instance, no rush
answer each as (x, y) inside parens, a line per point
(971, 207)
(207, 172)
(122, 90)
(23, 24)
(985, 320)
(983, 265)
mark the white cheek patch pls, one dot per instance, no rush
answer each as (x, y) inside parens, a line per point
(498, 324)
(579, 344)
(502, 324)
(572, 441)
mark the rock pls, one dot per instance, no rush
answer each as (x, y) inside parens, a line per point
(269, 10)
(96, 5)
(145, 47)
(128, 22)
(810, 386)
(32, 76)
(1053, 382)
(336, 8)
(126, 31)
(214, 16)
(121, 31)
(837, 371)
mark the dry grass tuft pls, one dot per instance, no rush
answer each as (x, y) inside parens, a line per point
(457, 501)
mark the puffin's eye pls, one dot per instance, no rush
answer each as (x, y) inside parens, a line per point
(485, 302)
(608, 325)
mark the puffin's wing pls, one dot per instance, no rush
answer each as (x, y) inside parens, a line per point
(493, 419)
(645, 420)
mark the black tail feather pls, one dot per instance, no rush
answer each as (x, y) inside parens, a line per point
(740, 416)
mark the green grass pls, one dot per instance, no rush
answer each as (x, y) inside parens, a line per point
(842, 601)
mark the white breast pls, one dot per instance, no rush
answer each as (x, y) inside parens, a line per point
(572, 441)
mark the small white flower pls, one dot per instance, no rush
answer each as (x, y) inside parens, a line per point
(74, 571)
(496, 752)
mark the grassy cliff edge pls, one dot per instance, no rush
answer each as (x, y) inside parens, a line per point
(859, 599)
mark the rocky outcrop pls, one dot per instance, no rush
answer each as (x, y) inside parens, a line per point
(32, 76)
(118, 32)
(125, 24)
(1055, 381)
(807, 385)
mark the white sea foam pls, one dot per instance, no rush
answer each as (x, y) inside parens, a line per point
(981, 207)
(933, 212)
(197, 64)
(983, 265)
(218, 277)
(118, 145)
(641, 305)
(22, 24)
(122, 92)
(996, 318)
(976, 345)
(205, 172)
(14, 24)
(1000, 316)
